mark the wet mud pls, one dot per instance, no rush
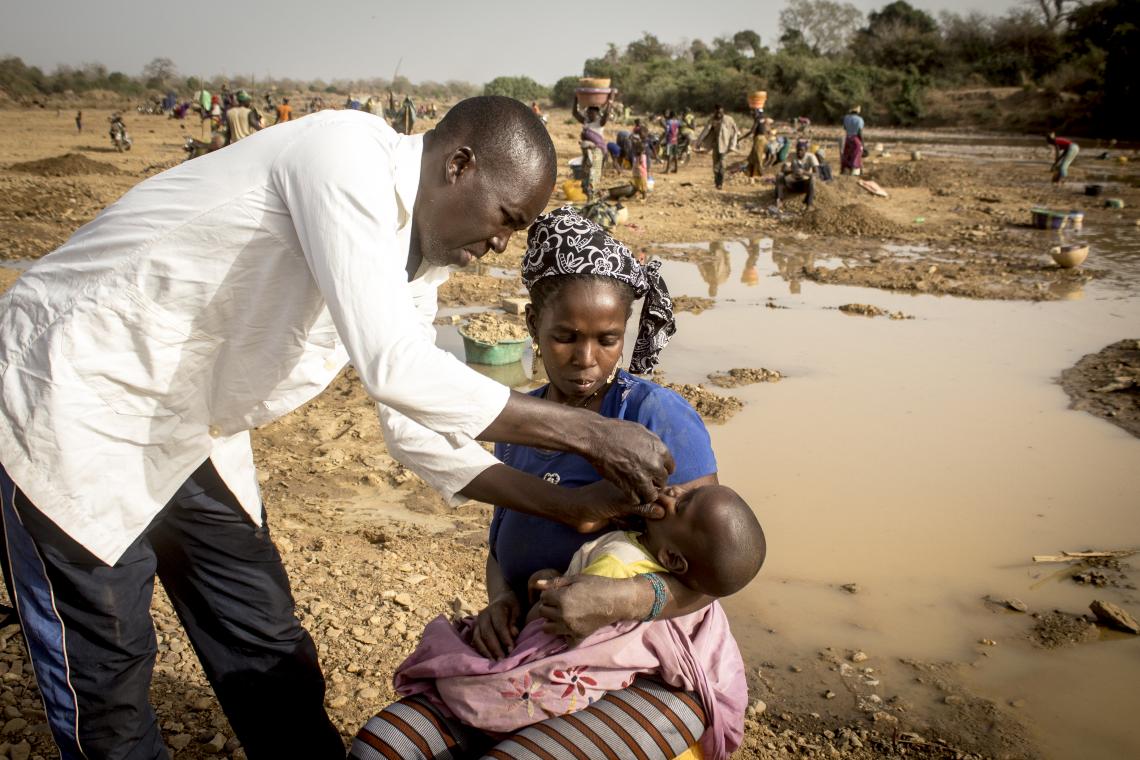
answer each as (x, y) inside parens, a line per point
(1107, 384)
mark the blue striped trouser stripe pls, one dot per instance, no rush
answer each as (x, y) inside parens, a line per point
(43, 629)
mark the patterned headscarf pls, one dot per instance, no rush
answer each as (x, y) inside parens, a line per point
(562, 243)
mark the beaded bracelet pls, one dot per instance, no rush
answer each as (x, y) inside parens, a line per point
(658, 596)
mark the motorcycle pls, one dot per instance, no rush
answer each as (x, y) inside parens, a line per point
(120, 138)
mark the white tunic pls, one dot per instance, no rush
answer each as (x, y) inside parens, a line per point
(216, 297)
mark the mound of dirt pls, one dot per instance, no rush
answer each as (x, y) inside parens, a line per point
(852, 219)
(867, 310)
(695, 304)
(491, 328)
(1107, 384)
(709, 405)
(67, 165)
(1060, 629)
(738, 376)
(470, 289)
(909, 174)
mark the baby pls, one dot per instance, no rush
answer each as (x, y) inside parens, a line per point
(712, 543)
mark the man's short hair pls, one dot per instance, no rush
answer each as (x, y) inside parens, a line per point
(502, 131)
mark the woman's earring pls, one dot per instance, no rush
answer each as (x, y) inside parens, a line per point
(536, 360)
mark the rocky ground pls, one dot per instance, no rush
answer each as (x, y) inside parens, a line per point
(374, 553)
(1107, 384)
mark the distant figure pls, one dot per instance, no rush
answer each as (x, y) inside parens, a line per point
(79, 122)
(851, 162)
(284, 111)
(798, 176)
(759, 134)
(672, 137)
(1064, 152)
(592, 140)
(720, 136)
(534, 106)
(405, 117)
(640, 166)
(242, 120)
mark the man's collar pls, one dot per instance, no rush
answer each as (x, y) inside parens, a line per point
(408, 155)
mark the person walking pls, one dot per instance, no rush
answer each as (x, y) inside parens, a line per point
(592, 140)
(211, 299)
(284, 112)
(79, 122)
(720, 136)
(851, 161)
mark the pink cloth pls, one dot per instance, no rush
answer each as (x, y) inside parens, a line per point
(542, 678)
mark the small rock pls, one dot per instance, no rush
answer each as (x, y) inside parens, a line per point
(15, 725)
(1017, 703)
(829, 694)
(850, 588)
(338, 702)
(21, 751)
(201, 703)
(404, 600)
(796, 669)
(954, 699)
(368, 693)
(881, 716)
(284, 545)
(1016, 605)
(179, 742)
(987, 642)
(859, 657)
(1113, 616)
(215, 745)
(757, 708)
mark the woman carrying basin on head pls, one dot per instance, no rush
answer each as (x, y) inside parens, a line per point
(582, 284)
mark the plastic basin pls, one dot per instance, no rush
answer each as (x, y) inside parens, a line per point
(503, 352)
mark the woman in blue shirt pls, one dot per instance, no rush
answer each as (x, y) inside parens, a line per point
(582, 285)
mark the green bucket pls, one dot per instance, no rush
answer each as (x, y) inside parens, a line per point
(503, 352)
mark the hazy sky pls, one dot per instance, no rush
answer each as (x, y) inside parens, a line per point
(475, 40)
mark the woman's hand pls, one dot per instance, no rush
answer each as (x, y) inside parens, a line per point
(577, 606)
(495, 628)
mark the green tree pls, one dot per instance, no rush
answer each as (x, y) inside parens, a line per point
(825, 26)
(519, 88)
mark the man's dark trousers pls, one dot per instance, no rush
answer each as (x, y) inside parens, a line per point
(92, 643)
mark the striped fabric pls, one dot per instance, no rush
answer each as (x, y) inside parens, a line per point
(646, 721)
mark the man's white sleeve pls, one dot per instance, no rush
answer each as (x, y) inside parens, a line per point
(338, 185)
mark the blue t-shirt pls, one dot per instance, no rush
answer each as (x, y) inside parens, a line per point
(523, 544)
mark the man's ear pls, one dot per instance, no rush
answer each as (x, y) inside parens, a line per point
(672, 560)
(461, 160)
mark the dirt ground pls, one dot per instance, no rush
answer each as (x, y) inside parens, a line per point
(1107, 384)
(374, 553)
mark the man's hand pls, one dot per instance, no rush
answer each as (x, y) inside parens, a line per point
(577, 606)
(602, 502)
(631, 457)
(495, 628)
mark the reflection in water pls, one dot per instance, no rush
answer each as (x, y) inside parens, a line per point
(751, 274)
(791, 266)
(716, 268)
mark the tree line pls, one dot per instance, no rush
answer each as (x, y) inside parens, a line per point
(1078, 58)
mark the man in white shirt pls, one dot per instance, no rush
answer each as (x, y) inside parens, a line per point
(211, 299)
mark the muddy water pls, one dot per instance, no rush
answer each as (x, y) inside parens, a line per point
(927, 461)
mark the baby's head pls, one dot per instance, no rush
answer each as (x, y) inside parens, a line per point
(712, 543)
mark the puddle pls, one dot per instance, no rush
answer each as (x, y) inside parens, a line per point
(927, 461)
